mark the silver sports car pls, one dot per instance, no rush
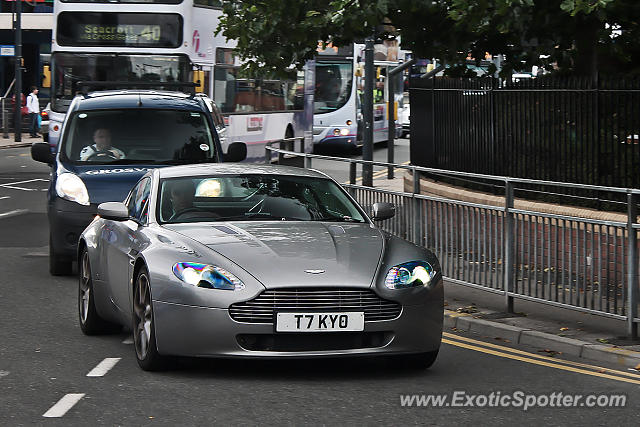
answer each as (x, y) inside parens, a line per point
(225, 260)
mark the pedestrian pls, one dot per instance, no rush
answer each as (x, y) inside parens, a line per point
(33, 108)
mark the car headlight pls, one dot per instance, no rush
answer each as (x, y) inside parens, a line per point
(409, 275)
(207, 276)
(69, 186)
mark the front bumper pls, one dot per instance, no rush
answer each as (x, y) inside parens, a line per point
(67, 220)
(350, 140)
(185, 330)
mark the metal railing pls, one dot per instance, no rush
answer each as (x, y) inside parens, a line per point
(568, 129)
(567, 260)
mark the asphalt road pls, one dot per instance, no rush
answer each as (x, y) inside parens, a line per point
(44, 357)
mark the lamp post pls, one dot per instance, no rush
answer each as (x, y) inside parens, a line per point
(18, 73)
(367, 113)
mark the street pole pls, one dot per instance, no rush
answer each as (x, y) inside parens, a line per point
(367, 113)
(18, 71)
(392, 111)
(391, 119)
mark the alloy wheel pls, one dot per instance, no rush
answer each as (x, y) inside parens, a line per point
(85, 287)
(143, 316)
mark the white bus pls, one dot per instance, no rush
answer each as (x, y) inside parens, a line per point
(126, 42)
(337, 118)
(256, 111)
(161, 43)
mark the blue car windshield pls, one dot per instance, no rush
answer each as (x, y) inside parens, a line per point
(254, 198)
(127, 136)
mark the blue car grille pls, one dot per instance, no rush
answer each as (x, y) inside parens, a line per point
(262, 309)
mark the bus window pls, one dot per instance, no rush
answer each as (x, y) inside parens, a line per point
(333, 85)
(238, 95)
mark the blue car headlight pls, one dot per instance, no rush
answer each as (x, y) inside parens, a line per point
(409, 275)
(207, 276)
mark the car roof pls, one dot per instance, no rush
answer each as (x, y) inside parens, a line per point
(235, 169)
(105, 100)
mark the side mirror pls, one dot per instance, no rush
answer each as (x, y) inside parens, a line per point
(41, 152)
(116, 211)
(383, 210)
(236, 152)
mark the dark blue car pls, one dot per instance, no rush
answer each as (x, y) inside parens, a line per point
(109, 140)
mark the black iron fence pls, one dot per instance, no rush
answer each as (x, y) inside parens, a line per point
(549, 128)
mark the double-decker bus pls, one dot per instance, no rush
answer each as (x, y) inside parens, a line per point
(121, 43)
(165, 44)
(256, 110)
(339, 88)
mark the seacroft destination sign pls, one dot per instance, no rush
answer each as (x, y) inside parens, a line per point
(119, 29)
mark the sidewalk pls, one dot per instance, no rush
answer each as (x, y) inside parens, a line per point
(10, 142)
(552, 330)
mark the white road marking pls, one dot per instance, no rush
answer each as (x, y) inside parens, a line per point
(4, 373)
(13, 213)
(103, 367)
(63, 405)
(18, 188)
(128, 340)
(14, 185)
(5, 197)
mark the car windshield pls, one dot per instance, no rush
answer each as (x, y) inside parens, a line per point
(139, 136)
(254, 198)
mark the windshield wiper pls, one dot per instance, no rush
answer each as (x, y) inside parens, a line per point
(247, 216)
(119, 162)
(343, 218)
(182, 161)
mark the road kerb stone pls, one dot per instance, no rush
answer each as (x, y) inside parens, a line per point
(594, 352)
(552, 342)
(490, 329)
(619, 356)
(16, 145)
(451, 318)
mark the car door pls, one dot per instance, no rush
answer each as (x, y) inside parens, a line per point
(125, 245)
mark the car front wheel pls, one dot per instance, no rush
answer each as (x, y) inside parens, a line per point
(90, 321)
(143, 325)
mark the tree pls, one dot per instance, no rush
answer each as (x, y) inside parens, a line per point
(578, 36)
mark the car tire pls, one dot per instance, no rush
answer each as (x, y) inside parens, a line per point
(144, 336)
(418, 360)
(90, 321)
(58, 265)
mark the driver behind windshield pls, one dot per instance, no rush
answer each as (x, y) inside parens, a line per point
(101, 148)
(182, 195)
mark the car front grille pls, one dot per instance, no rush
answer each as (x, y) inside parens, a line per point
(262, 309)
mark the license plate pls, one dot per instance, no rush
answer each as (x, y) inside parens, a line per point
(320, 322)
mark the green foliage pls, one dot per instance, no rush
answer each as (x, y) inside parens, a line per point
(575, 36)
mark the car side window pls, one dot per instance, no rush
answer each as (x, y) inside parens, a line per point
(139, 200)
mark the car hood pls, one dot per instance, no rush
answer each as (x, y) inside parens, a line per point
(109, 183)
(300, 254)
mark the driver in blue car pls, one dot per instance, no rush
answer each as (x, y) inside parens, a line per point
(102, 148)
